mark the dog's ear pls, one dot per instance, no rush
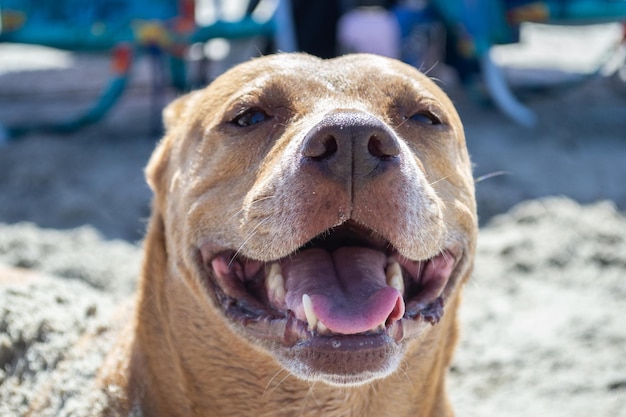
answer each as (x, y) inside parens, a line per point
(173, 112)
(156, 170)
(173, 119)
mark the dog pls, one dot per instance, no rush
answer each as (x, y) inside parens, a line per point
(312, 225)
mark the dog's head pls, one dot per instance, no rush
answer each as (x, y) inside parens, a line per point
(323, 208)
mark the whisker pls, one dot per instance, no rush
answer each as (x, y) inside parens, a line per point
(401, 123)
(438, 80)
(401, 368)
(258, 50)
(439, 247)
(273, 129)
(235, 214)
(311, 391)
(251, 204)
(278, 384)
(270, 381)
(267, 197)
(447, 257)
(420, 269)
(250, 236)
(491, 175)
(432, 67)
(439, 180)
(472, 281)
(308, 394)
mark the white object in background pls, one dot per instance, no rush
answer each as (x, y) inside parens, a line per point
(371, 30)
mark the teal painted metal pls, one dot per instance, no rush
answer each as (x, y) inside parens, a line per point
(158, 27)
(476, 25)
(170, 27)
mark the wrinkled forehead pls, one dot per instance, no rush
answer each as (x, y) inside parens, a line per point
(367, 76)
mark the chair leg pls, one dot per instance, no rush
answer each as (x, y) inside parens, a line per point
(501, 94)
(122, 59)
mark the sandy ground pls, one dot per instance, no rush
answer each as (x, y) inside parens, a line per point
(542, 318)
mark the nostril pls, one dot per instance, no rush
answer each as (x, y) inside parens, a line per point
(382, 149)
(322, 149)
(374, 147)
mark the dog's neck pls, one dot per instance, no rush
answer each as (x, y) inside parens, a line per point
(189, 364)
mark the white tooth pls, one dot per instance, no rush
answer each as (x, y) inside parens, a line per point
(279, 295)
(311, 318)
(275, 284)
(393, 269)
(397, 283)
(274, 277)
(321, 327)
(394, 277)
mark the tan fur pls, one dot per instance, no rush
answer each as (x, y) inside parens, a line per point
(181, 356)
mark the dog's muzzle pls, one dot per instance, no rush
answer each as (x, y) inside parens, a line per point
(339, 307)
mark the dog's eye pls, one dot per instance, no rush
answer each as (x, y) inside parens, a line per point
(250, 117)
(425, 117)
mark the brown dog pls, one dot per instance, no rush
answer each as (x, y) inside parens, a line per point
(312, 221)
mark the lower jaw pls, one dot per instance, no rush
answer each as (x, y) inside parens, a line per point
(336, 359)
(343, 361)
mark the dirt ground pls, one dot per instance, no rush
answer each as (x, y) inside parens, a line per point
(542, 323)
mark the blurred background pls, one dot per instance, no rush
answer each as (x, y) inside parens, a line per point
(540, 87)
(82, 85)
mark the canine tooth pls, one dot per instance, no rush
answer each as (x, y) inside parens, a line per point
(321, 327)
(275, 284)
(394, 277)
(311, 318)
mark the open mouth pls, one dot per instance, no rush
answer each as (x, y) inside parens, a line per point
(345, 283)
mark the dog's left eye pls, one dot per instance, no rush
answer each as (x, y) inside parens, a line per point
(250, 117)
(425, 117)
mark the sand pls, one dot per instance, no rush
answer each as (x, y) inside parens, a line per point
(542, 316)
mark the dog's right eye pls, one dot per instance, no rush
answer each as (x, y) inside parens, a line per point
(250, 117)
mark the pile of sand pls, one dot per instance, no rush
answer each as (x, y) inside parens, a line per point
(542, 324)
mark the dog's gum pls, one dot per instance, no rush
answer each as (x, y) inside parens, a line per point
(252, 268)
(431, 312)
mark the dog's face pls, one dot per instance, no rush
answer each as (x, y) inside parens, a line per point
(323, 209)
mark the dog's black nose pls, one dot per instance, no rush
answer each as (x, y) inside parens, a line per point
(351, 144)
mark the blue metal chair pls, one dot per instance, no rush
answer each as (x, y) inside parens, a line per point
(480, 24)
(126, 27)
(475, 26)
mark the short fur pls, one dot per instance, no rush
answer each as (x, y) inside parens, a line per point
(221, 185)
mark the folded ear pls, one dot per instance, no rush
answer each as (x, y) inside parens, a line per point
(174, 112)
(173, 118)
(156, 170)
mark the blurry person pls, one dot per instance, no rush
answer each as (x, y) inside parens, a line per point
(370, 27)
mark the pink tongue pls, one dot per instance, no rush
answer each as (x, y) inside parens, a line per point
(347, 288)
